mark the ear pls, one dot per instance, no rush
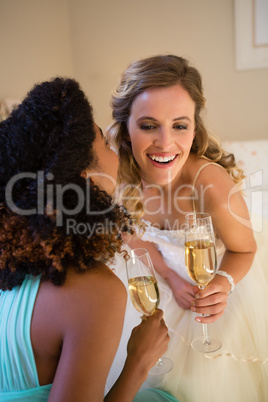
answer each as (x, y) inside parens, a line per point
(85, 174)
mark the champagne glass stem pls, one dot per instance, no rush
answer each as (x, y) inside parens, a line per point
(205, 326)
(205, 333)
(159, 362)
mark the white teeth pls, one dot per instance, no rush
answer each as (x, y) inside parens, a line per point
(161, 158)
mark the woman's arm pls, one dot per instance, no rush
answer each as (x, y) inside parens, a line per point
(182, 290)
(231, 222)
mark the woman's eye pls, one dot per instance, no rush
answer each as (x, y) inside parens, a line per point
(180, 127)
(147, 127)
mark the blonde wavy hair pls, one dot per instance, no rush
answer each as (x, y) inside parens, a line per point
(153, 72)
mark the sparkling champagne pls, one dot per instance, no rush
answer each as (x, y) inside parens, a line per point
(144, 294)
(200, 260)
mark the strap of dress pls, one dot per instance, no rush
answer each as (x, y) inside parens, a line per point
(196, 177)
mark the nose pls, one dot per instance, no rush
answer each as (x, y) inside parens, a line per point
(164, 138)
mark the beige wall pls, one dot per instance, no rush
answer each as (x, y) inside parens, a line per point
(35, 44)
(94, 40)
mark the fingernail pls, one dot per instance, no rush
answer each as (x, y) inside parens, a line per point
(193, 308)
(198, 319)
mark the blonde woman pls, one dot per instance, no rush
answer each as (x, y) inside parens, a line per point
(170, 166)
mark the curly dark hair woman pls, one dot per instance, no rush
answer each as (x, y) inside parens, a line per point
(61, 307)
(45, 145)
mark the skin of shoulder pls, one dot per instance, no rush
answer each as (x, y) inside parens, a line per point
(219, 196)
(75, 332)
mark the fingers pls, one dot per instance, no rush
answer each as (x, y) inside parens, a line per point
(209, 290)
(150, 338)
(211, 309)
(213, 312)
(158, 317)
(184, 299)
(210, 303)
(212, 300)
(158, 314)
(155, 319)
(196, 290)
(209, 319)
(182, 290)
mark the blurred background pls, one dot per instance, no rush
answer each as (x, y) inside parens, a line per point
(93, 41)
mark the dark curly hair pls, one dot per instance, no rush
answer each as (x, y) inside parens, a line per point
(45, 144)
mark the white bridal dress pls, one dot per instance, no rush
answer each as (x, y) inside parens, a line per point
(238, 372)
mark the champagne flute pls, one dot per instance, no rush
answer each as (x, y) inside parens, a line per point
(201, 265)
(144, 294)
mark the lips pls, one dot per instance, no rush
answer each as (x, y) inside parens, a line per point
(162, 160)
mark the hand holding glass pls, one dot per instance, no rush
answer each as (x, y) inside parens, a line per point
(201, 265)
(144, 294)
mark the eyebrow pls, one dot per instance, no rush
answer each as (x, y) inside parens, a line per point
(153, 119)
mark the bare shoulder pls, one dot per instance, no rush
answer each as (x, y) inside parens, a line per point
(94, 287)
(58, 308)
(75, 324)
(211, 179)
(201, 169)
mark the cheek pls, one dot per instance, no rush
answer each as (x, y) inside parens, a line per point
(137, 153)
(116, 164)
(186, 142)
(139, 145)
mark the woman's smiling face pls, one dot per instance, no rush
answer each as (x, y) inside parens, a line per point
(161, 129)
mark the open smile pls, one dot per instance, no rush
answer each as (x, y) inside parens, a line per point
(162, 160)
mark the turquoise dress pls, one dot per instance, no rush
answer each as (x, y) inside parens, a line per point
(154, 395)
(18, 373)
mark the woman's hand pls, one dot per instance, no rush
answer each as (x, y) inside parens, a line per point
(182, 290)
(212, 301)
(148, 341)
